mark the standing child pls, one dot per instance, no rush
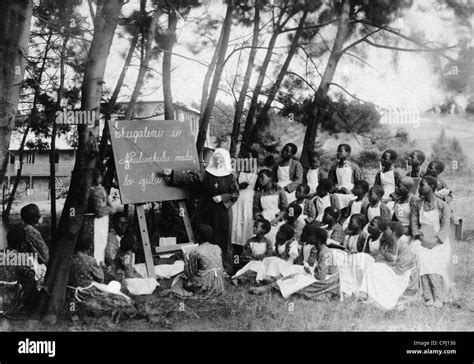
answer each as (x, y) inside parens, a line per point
(356, 206)
(404, 204)
(435, 168)
(101, 208)
(288, 173)
(344, 173)
(120, 227)
(333, 228)
(416, 160)
(376, 207)
(324, 199)
(354, 241)
(242, 216)
(314, 174)
(388, 177)
(308, 208)
(269, 201)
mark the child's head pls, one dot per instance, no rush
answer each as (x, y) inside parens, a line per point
(314, 161)
(416, 158)
(324, 187)
(314, 235)
(16, 238)
(265, 177)
(377, 226)
(128, 242)
(389, 157)
(284, 233)
(203, 233)
(289, 151)
(30, 214)
(302, 191)
(361, 187)
(293, 212)
(331, 215)
(261, 227)
(427, 185)
(357, 223)
(343, 151)
(435, 168)
(120, 223)
(269, 161)
(404, 186)
(392, 233)
(375, 194)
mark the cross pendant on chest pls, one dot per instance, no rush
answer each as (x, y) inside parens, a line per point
(216, 185)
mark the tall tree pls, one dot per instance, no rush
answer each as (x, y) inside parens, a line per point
(220, 62)
(75, 205)
(15, 20)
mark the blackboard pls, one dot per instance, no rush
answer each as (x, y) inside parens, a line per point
(143, 149)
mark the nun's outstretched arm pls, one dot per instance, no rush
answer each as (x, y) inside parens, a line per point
(192, 178)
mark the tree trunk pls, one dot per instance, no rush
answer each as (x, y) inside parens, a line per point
(52, 154)
(108, 111)
(206, 116)
(15, 19)
(322, 91)
(239, 108)
(247, 134)
(170, 41)
(262, 119)
(75, 205)
(208, 75)
(143, 65)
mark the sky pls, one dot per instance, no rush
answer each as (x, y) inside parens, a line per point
(411, 81)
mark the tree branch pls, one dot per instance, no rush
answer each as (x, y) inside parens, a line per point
(361, 39)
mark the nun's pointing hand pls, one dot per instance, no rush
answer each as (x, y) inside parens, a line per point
(167, 172)
(217, 198)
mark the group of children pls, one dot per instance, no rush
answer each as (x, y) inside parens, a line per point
(401, 220)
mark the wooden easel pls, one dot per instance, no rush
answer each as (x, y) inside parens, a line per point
(150, 266)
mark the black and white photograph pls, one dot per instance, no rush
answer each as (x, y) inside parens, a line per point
(237, 166)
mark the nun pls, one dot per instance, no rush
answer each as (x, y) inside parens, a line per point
(218, 190)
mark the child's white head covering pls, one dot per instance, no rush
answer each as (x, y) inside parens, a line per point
(225, 169)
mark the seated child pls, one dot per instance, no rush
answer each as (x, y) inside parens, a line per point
(120, 227)
(31, 216)
(376, 207)
(203, 268)
(333, 228)
(344, 173)
(324, 199)
(356, 237)
(435, 168)
(314, 174)
(292, 218)
(257, 247)
(123, 265)
(309, 210)
(286, 246)
(356, 206)
(375, 229)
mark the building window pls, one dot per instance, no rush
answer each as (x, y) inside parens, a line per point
(56, 157)
(30, 158)
(12, 158)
